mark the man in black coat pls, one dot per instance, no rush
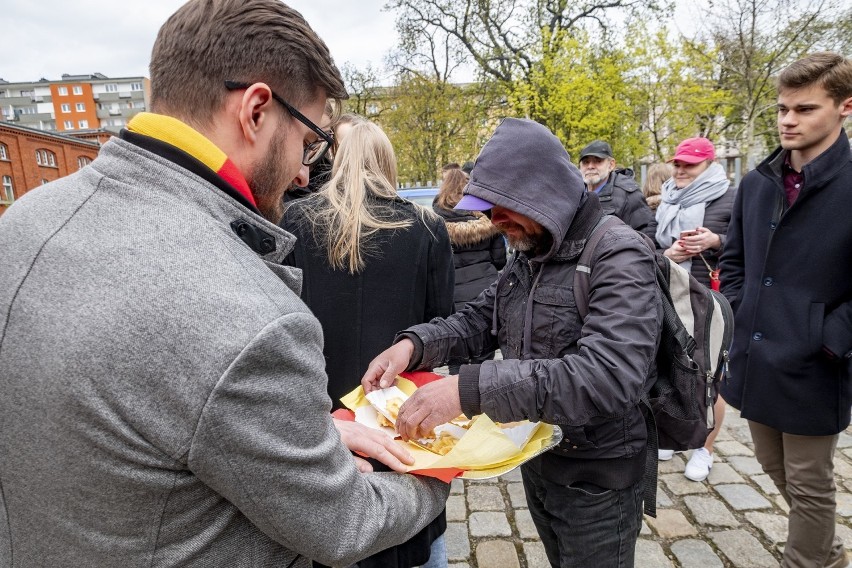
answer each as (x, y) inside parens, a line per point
(786, 272)
(617, 191)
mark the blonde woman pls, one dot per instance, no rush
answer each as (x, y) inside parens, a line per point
(652, 187)
(373, 264)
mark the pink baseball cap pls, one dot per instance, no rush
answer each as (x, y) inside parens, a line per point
(694, 150)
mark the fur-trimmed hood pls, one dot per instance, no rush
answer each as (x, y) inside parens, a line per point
(467, 228)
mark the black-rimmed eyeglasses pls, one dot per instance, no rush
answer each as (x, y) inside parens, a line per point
(313, 151)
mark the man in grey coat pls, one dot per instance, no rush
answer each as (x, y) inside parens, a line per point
(163, 389)
(587, 375)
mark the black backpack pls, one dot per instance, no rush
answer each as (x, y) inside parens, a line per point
(695, 336)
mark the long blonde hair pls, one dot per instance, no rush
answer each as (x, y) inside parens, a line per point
(343, 215)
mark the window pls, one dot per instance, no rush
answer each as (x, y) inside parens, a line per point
(8, 195)
(81, 107)
(82, 162)
(26, 110)
(4, 153)
(78, 90)
(45, 158)
(136, 86)
(66, 107)
(69, 125)
(63, 91)
(44, 181)
(111, 87)
(83, 123)
(27, 93)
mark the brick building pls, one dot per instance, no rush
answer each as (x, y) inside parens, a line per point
(30, 157)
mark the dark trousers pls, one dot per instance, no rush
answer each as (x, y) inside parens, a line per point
(583, 525)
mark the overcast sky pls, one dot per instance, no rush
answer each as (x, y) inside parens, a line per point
(46, 38)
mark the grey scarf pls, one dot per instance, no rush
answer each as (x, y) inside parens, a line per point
(683, 209)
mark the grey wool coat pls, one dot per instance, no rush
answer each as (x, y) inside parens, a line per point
(162, 393)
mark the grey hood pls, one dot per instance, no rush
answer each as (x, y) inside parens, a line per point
(525, 168)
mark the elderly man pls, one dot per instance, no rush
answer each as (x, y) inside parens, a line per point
(619, 194)
(164, 396)
(587, 375)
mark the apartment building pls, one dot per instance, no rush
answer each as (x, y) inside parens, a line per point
(74, 103)
(31, 157)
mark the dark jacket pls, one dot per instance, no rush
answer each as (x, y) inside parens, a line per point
(717, 216)
(622, 197)
(409, 280)
(787, 274)
(587, 376)
(479, 252)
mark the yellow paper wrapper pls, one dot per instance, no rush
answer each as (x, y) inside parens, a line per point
(484, 451)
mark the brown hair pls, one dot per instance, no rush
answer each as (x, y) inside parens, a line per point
(453, 183)
(653, 185)
(829, 70)
(208, 42)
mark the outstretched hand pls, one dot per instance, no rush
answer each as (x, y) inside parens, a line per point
(382, 371)
(432, 404)
(374, 444)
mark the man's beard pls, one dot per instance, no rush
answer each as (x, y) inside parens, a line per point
(593, 179)
(266, 184)
(527, 242)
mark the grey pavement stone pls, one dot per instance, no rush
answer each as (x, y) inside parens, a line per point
(732, 448)
(663, 499)
(650, 553)
(670, 523)
(693, 553)
(535, 555)
(746, 465)
(743, 497)
(645, 530)
(773, 527)
(842, 468)
(458, 542)
(457, 486)
(674, 465)
(710, 511)
(458, 565)
(724, 436)
(456, 510)
(782, 504)
(485, 498)
(844, 440)
(497, 554)
(678, 484)
(723, 473)
(486, 481)
(516, 494)
(765, 483)
(845, 534)
(525, 525)
(844, 504)
(743, 550)
(489, 524)
(514, 475)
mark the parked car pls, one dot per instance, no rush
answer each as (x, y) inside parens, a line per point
(420, 195)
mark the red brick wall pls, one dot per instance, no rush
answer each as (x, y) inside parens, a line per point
(26, 173)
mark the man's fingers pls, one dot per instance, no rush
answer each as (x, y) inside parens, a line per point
(362, 465)
(389, 376)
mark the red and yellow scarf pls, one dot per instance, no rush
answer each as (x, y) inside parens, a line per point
(180, 135)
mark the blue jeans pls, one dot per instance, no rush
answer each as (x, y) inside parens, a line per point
(437, 554)
(582, 524)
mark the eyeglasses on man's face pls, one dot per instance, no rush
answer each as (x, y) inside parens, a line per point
(315, 150)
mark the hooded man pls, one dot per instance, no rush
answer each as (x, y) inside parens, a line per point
(587, 376)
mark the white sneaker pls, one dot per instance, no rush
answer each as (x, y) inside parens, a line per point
(698, 467)
(665, 455)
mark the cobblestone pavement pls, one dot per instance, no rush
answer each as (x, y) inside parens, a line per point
(735, 518)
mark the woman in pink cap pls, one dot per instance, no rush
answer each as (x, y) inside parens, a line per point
(692, 222)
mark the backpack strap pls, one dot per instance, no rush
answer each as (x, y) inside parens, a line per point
(582, 274)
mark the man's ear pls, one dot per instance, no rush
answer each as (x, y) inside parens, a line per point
(846, 107)
(255, 111)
